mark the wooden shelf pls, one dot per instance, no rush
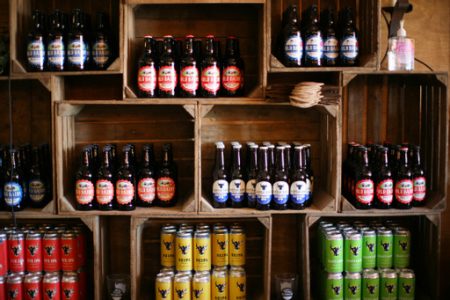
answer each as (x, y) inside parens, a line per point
(172, 2)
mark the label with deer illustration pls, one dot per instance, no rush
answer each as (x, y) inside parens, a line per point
(202, 253)
(353, 253)
(237, 249)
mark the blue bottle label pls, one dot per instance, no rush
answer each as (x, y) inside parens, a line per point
(77, 52)
(237, 190)
(36, 53)
(220, 191)
(293, 47)
(101, 52)
(13, 193)
(263, 192)
(314, 47)
(349, 47)
(331, 48)
(56, 52)
(280, 192)
(300, 192)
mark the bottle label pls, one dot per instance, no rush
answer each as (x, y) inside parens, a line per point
(404, 191)
(293, 47)
(101, 52)
(124, 191)
(146, 189)
(13, 193)
(385, 191)
(77, 52)
(237, 190)
(314, 47)
(165, 188)
(55, 52)
(211, 79)
(300, 192)
(280, 192)
(364, 191)
(147, 78)
(189, 79)
(84, 191)
(220, 191)
(36, 190)
(349, 47)
(263, 192)
(331, 48)
(36, 53)
(420, 188)
(167, 78)
(250, 190)
(104, 191)
(232, 78)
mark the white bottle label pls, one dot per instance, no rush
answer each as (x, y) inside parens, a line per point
(263, 192)
(300, 192)
(280, 192)
(237, 190)
(220, 190)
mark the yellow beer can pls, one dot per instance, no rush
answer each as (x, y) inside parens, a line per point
(164, 287)
(202, 251)
(201, 286)
(184, 251)
(220, 247)
(238, 284)
(237, 246)
(168, 271)
(182, 287)
(168, 234)
(202, 227)
(219, 284)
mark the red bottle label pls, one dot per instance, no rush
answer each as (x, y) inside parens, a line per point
(211, 79)
(51, 290)
(419, 189)
(147, 78)
(189, 79)
(385, 191)
(167, 78)
(146, 189)
(232, 78)
(69, 254)
(364, 191)
(404, 191)
(124, 191)
(16, 256)
(165, 188)
(33, 255)
(14, 291)
(3, 257)
(104, 191)
(70, 290)
(51, 255)
(84, 191)
(32, 290)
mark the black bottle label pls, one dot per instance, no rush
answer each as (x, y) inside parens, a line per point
(314, 47)
(293, 48)
(55, 52)
(36, 53)
(101, 52)
(77, 52)
(331, 48)
(36, 190)
(349, 47)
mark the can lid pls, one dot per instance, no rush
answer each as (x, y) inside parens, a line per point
(163, 277)
(407, 273)
(14, 278)
(371, 274)
(237, 230)
(353, 275)
(384, 231)
(51, 235)
(221, 230)
(237, 270)
(185, 273)
(182, 278)
(220, 272)
(3, 235)
(51, 277)
(401, 231)
(184, 233)
(32, 278)
(352, 235)
(202, 276)
(202, 226)
(334, 235)
(68, 234)
(368, 231)
(33, 235)
(70, 277)
(2, 280)
(201, 233)
(219, 225)
(335, 276)
(388, 273)
(15, 235)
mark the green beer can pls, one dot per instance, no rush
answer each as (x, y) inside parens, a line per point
(369, 248)
(334, 286)
(385, 241)
(406, 285)
(353, 252)
(322, 241)
(402, 243)
(370, 285)
(352, 286)
(334, 252)
(388, 285)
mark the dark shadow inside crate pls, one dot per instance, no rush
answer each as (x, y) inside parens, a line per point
(98, 87)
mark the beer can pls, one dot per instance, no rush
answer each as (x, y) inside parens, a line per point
(406, 285)
(352, 284)
(184, 251)
(168, 234)
(32, 287)
(51, 286)
(202, 251)
(334, 256)
(81, 245)
(16, 252)
(334, 286)
(33, 252)
(341, 224)
(201, 286)
(237, 247)
(3, 254)
(2, 287)
(70, 286)
(321, 246)
(69, 252)
(220, 247)
(219, 283)
(202, 227)
(14, 287)
(402, 243)
(353, 252)
(385, 241)
(182, 287)
(237, 283)
(82, 283)
(187, 227)
(369, 249)
(51, 254)
(388, 285)
(370, 285)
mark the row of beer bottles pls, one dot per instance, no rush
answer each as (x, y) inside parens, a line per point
(171, 68)
(274, 177)
(104, 183)
(26, 177)
(384, 177)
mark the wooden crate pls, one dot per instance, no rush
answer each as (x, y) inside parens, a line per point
(21, 22)
(367, 18)
(88, 88)
(318, 126)
(86, 122)
(425, 250)
(221, 18)
(145, 249)
(401, 108)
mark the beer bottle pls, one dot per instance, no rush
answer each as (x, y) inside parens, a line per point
(104, 187)
(13, 189)
(132, 155)
(263, 188)
(349, 47)
(404, 188)
(291, 41)
(309, 171)
(313, 40)
(37, 184)
(364, 187)
(419, 180)
(271, 157)
(210, 71)
(299, 190)
(146, 190)
(232, 70)
(126, 183)
(101, 45)
(280, 188)
(147, 70)
(166, 184)
(220, 188)
(384, 182)
(252, 174)
(330, 41)
(237, 183)
(77, 44)
(84, 185)
(167, 73)
(189, 75)
(36, 43)
(56, 48)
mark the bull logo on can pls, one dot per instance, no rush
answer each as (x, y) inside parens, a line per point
(370, 246)
(201, 249)
(68, 293)
(32, 293)
(181, 293)
(335, 250)
(222, 244)
(389, 288)
(407, 288)
(168, 245)
(236, 244)
(237, 184)
(221, 185)
(354, 250)
(198, 293)
(404, 245)
(371, 289)
(50, 293)
(13, 294)
(385, 246)
(220, 287)
(32, 250)
(16, 250)
(49, 250)
(163, 292)
(353, 289)
(184, 249)
(263, 186)
(241, 286)
(66, 249)
(336, 290)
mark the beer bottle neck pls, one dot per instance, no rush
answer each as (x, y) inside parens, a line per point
(189, 47)
(404, 157)
(299, 159)
(168, 46)
(417, 161)
(236, 158)
(167, 157)
(35, 158)
(102, 22)
(106, 157)
(253, 158)
(209, 47)
(384, 158)
(264, 164)
(280, 166)
(147, 157)
(232, 47)
(85, 158)
(148, 45)
(220, 159)
(365, 158)
(126, 158)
